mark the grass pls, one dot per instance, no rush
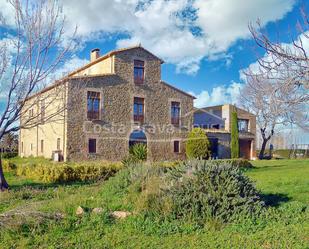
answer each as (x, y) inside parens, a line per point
(283, 183)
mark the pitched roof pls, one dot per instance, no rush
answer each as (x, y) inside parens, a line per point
(63, 80)
(109, 54)
(177, 89)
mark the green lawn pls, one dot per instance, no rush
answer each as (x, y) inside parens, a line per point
(283, 183)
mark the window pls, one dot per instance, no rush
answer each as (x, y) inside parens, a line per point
(138, 110)
(30, 113)
(42, 111)
(175, 113)
(243, 125)
(138, 72)
(58, 143)
(22, 147)
(92, 145)
(176, 146)
(42, 146)
(31, 147)
(216, 126)
(93, 105)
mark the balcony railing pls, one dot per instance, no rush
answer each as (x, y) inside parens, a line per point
(93, 115)
(139, 118)
(175, 121)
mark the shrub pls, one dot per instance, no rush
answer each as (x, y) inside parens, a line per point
(201, 191)
(8, 166)
(7, 155)
(197, 190)
(129, 160)
(167, 164)
(66, 172)
(234, 136)
(236, 162)
(139, 151)
(197, 145)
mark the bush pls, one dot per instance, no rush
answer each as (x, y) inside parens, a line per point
(129, 160)
(202, 191)
(65, 172)
(139, 151)
(196, 190)
(198, 145)
(7, 155)
(8, 166)
(236, 162)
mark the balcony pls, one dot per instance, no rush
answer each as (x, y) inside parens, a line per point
(139, 118)
(175, 121)
(93, 115)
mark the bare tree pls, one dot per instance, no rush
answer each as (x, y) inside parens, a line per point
(9, 142)
(277, 91)
(29, 55)
(274, 103)
(286, 62)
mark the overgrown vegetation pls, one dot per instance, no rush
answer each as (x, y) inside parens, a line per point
(198, 145)
(234, 136)
(283, 223)
(7, 155)
(201, 191)
(137, 153)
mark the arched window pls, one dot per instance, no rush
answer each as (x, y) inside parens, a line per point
(137, 136)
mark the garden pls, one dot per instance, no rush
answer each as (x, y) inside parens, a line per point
(192, 204)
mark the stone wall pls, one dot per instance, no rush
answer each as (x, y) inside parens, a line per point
(116, 123)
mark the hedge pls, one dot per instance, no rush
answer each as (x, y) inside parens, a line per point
(7, 155)
(284, 153)
(51, 172)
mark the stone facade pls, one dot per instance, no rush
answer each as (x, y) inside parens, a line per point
(112, 76)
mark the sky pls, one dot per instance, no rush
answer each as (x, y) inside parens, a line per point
(205, 43)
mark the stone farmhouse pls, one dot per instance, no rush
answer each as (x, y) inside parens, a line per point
(216, 120)
(116, 100)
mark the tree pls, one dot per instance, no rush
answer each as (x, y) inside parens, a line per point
(277, 90)
(197, 145)
(234, 136)
(29, 55)
(272, 104)
(9, 142)
(286, 62)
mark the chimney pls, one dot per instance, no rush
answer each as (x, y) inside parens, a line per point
(95, 54)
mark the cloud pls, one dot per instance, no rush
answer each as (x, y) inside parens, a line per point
(7, 12)
(219, 95)
(69, 66)
(302, 41)
(224, 22)
(182, 32)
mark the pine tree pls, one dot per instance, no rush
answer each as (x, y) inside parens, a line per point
(234, 136)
